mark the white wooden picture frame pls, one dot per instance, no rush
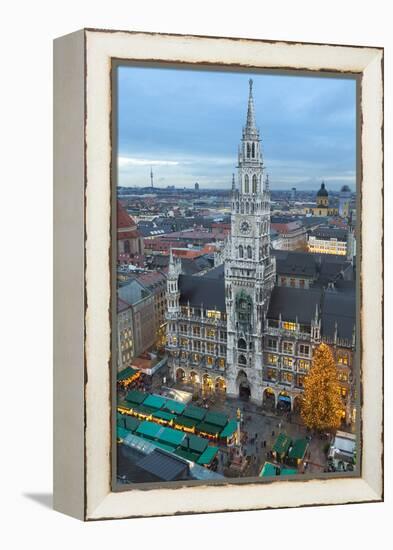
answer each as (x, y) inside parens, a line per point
(82, 252)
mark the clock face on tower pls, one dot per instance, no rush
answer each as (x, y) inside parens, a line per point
(244, 227)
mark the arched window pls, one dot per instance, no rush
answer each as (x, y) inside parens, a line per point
(242, 360)
(241, 343)
(242, 208)
(246, 184)
(249, 251)
(237, 207)
(247, 207)
(248, 150)
(254, 183)
(252, 208)
(240, 251)
(253, 150)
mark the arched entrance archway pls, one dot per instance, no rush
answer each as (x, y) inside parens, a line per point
(207, 383)
(220, 385)
(180, 376)
(269, 399)
(194, 378)
(243, 385)
(284, 402)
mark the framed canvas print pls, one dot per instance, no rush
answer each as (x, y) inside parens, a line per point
(218, 274)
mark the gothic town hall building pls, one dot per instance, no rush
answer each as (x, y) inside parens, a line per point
(234, 329)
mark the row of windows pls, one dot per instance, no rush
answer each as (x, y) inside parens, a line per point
(292, 282)
(210, 361)
(200, 332)
(208, 313)
(289, 347)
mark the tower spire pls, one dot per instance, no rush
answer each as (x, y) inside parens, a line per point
(233, 183)
(250, 124)
(151, 176)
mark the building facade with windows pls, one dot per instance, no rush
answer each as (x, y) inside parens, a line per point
(236, 328)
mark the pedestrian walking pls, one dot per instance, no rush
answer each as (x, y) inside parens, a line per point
(264, 443)
(273, 433)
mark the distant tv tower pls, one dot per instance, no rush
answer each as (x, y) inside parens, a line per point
(151, 176)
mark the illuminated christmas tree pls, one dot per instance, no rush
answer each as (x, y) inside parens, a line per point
(322, 405)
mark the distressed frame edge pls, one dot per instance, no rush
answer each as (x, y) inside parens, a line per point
(375, 492)
(69, 489)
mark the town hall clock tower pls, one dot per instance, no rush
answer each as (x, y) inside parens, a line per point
(249, 269)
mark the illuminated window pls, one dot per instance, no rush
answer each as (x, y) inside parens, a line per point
(343, 376)
(210, 347)
(213, 314)
(174, 340)
(283, 281)
(221, 362)
(289, 326)
(287, 347)
(184, 342)
(196, 357)
(300, 381)
(343, 359)
(288, 362)
(211, 333)
(287, 377)
(304, 365)
(196, 331)
(343, 392)
(293, 282)
(272, 359)
(271, 374)
(301, 283)
(210, 360)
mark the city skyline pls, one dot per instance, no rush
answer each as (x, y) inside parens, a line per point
(308, 131)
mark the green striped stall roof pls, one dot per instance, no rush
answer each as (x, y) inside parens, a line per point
(186, 422)
(136, 396)
(216, 418)
(132, 423)
(288, 472)
(143, 409)
(121, 432)
(298, 450)
(207, 428)
(174, 406)
(194, 443)
(229, 429)
(282, 444)
(196, 413)
(154, 401)
(269, 470)
(120, 420)
(163, 415)
(149, 429)
(126, 373)
(207, 456)
(171, 436)
(188, 455)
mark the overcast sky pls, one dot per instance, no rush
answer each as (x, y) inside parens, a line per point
(187, 124)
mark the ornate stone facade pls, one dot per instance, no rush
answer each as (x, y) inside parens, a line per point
(233, 328)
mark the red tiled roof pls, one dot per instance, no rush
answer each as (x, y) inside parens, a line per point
(128, 235)
(286, 227)
(123, 218)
